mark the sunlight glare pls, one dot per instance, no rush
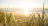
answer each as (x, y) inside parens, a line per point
(26, 11)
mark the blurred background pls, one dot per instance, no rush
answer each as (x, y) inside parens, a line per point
(23, 12)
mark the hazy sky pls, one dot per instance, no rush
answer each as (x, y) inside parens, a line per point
(22, 3)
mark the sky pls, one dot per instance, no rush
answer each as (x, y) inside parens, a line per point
(23, 3)
(22, 6)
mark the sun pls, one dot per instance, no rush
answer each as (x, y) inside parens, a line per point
(26, 11)
(26, 7)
